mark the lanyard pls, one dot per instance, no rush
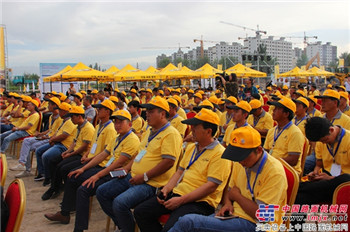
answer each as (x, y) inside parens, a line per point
(175, 116)
(229, 118)
(121, 140)
(194, 159)
(160, 130)
(62, 124)
(298, 122)
(263, 161)
(101, 129)
(255, 122)
(245, 124)
(336, 149)
(275, 137)
(79, 129)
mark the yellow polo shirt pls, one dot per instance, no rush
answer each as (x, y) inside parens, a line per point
(176, 122)
(315, 113)
(181, 112)
(347, 110)
(69, 128)
(290, 141)
(218, 113)
(271, 108)
(103, 136)
(184, 99)
(86, 133)
(300, 124)
(341, 120)
(208, 167)
(45, 105)
(270, 188)
(53, 127)
(137, 124)
(8, 109)
(129, 147)
(342, 156)
(14, 109)
(167, 144)
(190, 102)
(265, 121)
(33, 120)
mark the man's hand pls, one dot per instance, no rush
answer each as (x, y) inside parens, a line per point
(136, 180)
(323, 176)
(173, 203)
(91, 181)
(76, 173)
(225, 208)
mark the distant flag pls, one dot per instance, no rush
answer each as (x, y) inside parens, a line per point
(277, 71)
(27, 89)
(33, 86)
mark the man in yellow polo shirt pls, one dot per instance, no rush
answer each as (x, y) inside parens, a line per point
(27, 128)
(48, 155)
(226, 116)
(151, 169)
(244, 197)
(259, 119)
(198, 184)
(174, 118)
(285, 140)
(84, 181)
(136, 120)
(299, 120)
(312, 111)
(344, 103)
(332, 156)
(71, 158)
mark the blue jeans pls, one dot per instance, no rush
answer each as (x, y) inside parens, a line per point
(5, 127)
(49, 156)
(10, 136)
(310, 163)
(196, 222)
(118, 196)
(28, 145)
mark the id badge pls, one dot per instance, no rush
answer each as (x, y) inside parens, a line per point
(110, 161)
(335, 169)
(93, 148)
(140, 155)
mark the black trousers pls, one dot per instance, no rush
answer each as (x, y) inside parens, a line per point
(77, 196)
(148, 212)
(316, 192)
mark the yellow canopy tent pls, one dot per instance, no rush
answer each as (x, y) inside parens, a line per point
(295, 72)
(81, 72)
(112, 70)
(152, 69)
(314, 71)
(242, 71)
(172, 72)
(57, 76)
(208, 71)
(129, 73)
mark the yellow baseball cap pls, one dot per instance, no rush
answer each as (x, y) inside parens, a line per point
(269, 88)
(116, 90)
(274, 85)
(54, 93)
(243, 141)
(302, 100)
(329, 86)
(55, 100)
(94, 91)
(205, 115)
(284, 102)
(26, 98)
(214, 100)
(177, 98)
(36, 103)
(198, 95)
(300, 92)
(76, 110)
(173, 101)
(344, 94)
(121, 114)
(176, 90)
(63, 97)
(124, 93)
(330, 93)
(83, 92)
(231, 99)
(114, 99)
(255, 104)
(64, 106)
(342, 87)
(312, 98)
(243, 105)
(133, 91)
(242, 86)
(149, 90)
(201, 92)
(217, 91)
(142, 90)
(221, 101)
(106, 104)
(161, 92)
(157, 102)
(190, 91)
(15, 95)
(285, 87)
(79, 95)
(257, 86)
(206, 104)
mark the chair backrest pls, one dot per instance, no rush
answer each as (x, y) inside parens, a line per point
(293, 182)
(3, 169)
(40, 122)
(306, 152)
(341, 197)
(16, 201)
(190, 115)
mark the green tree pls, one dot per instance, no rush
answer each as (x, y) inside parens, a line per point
(163, 62)
(302, 60)
(346, 57)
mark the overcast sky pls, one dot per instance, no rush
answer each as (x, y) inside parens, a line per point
(115, 32)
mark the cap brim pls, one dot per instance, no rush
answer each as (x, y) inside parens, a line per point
(100, 106)
(297, 101)
(236, 154)
(228, 101)
(253, 111)
(118, 117)
(192, 121)
(326, 97)
(276, 98)
(71, 114)
(74, 95)
(276, 104)
(149, 106)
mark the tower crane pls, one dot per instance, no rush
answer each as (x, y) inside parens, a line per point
(304, 37)
(257, 32)
(179, 47)
(202, 46)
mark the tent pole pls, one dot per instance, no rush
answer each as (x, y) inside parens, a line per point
(61, 84)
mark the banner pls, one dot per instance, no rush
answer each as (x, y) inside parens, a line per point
(341, 63)
(277, 71)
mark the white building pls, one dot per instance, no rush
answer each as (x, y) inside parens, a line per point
(327, 52)
(280, 49)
